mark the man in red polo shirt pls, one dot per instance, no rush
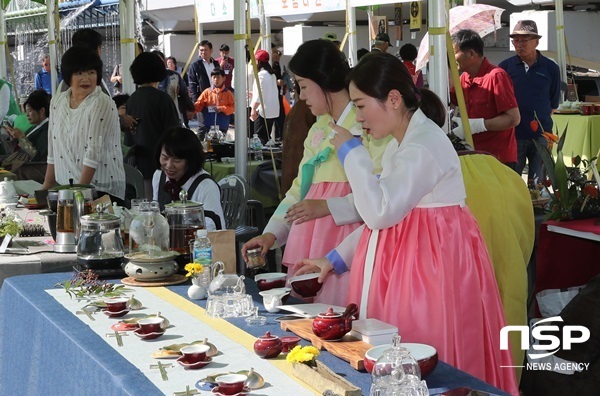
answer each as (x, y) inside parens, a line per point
(490, 99)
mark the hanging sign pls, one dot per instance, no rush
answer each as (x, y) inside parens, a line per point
(294, 7)
(398, 21)
(214, 10)
(415, 16)
(222, 10)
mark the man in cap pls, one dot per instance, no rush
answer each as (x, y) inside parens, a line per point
(382, 43)
(536, 80)
(226, 63)
(490, 99)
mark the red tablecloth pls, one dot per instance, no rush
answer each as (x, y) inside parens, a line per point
(565, 261)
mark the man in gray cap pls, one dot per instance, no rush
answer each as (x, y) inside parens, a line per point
(382, 43)
(536, 80)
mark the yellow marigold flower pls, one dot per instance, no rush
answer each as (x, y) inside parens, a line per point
(302, 354)
(193, 269)
(311, 349)
(291, 357)
(305, 357)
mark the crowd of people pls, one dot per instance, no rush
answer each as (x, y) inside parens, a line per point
(376, 196)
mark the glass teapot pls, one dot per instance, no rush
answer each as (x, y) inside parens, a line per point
(149, 231)
(227, 296)
(225, 284)
(100, 245)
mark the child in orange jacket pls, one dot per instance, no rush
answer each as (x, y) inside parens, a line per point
(216, 103)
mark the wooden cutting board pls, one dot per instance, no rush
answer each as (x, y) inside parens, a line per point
(348, 348)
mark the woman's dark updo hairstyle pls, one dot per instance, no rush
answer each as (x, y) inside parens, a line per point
(432, 107)
(322, 62)
(182, 143)
(378, 73)
(80, 59)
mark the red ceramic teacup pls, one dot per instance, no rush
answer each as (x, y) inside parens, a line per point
(116, 304)
(231, 384)
(306, 285)
(270, 280)
(195, 353)
(150, 325)
(289, 342)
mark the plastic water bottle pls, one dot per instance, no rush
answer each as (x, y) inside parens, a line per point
(202, 251)
(256, 148)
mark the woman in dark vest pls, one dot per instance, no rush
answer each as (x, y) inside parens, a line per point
(180, 160)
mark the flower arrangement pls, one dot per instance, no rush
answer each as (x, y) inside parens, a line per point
(86, 283)
(536, 124)
(573, 196)
(194, 270)
(306, 355)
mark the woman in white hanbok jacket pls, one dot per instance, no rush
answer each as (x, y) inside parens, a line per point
(420, 261)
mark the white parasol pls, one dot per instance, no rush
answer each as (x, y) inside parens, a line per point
(482, 18)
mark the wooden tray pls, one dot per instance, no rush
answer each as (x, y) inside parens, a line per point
(348, 348)
(174, 279)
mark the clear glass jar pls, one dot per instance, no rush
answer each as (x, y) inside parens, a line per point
(255, 258)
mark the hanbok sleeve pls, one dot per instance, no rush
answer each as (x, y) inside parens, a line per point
(341, 257)
(342, 210)
(277, 225)
(412, 172)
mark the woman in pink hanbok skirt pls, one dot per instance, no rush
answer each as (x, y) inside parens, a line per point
(420, 261)
(317, 212)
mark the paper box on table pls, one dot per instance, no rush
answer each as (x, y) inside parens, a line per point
(373, 331)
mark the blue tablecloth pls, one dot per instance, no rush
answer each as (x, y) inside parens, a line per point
(44, 349)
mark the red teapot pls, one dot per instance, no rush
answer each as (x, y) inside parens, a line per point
(332, 325)
(268, 346)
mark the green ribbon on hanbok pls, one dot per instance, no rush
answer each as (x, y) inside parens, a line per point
(308, 170)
